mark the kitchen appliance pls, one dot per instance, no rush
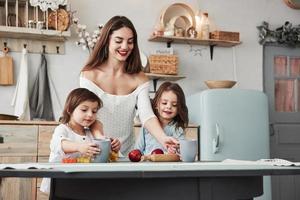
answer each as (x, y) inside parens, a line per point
(234, 124)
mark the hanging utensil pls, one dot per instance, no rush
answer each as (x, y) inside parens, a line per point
(6, 68)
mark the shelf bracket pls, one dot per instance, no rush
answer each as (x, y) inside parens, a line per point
(169, 43)
(211, 48)
(154, 81)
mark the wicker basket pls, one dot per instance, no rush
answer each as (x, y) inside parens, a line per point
(163, 64)
(225, 35)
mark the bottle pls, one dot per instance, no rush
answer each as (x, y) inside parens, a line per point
(204, 26)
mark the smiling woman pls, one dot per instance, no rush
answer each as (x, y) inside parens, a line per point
(114, 73)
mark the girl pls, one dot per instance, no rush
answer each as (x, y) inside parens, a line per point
(72, 138)
(114, 73)
(171, 110)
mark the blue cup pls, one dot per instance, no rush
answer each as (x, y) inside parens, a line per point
(104, 145)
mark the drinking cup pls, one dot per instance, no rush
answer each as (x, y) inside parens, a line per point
(188, 150)
(104, 145)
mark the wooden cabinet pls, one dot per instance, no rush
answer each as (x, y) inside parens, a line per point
(19, 145)
(24, 142)
(44, 137)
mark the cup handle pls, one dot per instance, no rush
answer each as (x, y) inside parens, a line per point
(216, 141)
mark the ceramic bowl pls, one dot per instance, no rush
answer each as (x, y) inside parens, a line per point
(212, 84)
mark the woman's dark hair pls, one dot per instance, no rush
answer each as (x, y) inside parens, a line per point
(100, 52)
(76, 97)
(182, 117)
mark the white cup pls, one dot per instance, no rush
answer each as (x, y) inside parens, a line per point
(104, 145)
(188, 150)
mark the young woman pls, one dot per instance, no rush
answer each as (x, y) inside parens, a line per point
(113, 72)
(171, 110)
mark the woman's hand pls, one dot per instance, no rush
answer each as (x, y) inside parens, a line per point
(88, 149)
(171, 144)
(115, 144)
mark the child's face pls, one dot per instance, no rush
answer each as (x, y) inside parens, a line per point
(121, 44)
(167, 106)
(85, 113)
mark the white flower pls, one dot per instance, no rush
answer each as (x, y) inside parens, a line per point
(96, 32)
(75, 20)
(83, 27)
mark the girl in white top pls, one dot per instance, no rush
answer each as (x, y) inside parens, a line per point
(113, 72)
(72, 138)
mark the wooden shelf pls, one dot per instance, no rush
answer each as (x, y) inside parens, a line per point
(166, 77)
(185, 40)
(33, 33)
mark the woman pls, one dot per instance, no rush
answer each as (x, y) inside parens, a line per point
(113, 72)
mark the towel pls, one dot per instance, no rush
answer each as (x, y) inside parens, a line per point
(20, 100)
(40, 98)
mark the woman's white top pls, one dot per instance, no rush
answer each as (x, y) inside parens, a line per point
(118, 112)
(63, 132)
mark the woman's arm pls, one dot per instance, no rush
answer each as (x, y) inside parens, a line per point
(154, 127)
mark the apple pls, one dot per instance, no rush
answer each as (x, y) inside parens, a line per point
(135, 155)
(157, 151)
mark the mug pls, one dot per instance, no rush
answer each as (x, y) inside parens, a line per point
(104, 145)
(188, 150)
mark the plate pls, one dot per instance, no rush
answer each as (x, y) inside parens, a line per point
(178, 9)
(180, 22)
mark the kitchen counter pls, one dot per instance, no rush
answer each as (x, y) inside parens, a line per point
(149, 180)
(19, 122)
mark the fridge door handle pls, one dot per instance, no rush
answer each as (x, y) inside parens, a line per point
(216, 140)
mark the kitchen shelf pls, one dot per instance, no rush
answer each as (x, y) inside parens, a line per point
(156, 77)
(33, 33)
(186, 40)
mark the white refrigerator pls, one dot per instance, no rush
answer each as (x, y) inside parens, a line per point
(234, 124)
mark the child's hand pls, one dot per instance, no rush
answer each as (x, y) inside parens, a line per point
(115, 144)
(88, 149)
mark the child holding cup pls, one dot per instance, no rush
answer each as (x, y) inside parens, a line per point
(72, 138)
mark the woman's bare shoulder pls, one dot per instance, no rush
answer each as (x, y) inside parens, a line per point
(141, 78)
(90, 74)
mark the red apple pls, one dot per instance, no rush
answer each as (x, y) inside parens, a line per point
(135, 155)
(157, 151)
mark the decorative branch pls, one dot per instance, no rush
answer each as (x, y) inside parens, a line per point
(286, 34)
(86, 40)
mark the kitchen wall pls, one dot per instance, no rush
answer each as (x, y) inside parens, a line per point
(243, 62)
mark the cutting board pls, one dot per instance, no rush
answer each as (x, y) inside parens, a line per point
(6, 69)
(162, 158)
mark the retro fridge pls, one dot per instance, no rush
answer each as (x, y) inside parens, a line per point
(234, 124)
